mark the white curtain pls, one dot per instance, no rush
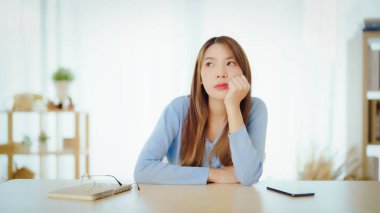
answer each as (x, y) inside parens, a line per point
(132, 57)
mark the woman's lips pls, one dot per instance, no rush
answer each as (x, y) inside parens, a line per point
(221, 86)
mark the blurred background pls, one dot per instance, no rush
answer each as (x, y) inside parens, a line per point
(128, 59)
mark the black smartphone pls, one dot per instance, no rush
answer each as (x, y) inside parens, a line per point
(292, 194)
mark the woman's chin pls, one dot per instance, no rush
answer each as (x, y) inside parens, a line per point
(218, 97)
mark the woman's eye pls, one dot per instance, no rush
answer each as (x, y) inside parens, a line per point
(231, 63)
(209, 64)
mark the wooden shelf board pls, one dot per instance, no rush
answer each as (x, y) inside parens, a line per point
(4, 148)
(373, 95)
(371, 33)
(43, 111)
(43, 153)
(374, 143)
(373, 150)
(19, 149)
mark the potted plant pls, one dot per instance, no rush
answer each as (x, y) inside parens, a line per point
(62, 78)
(42, 138)
(24, 146)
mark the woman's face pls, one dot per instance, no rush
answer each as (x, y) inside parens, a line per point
(218, 67)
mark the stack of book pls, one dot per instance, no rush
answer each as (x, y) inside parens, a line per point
(372, 24)
(374, 122)
(373, 90)
(374, 70)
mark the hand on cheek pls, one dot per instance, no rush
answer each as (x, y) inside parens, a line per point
(238, 87)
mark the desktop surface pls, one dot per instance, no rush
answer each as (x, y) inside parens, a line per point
(330, 196)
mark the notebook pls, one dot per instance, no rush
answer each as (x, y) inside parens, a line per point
(90, 191)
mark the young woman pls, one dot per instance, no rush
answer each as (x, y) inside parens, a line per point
(217, 134)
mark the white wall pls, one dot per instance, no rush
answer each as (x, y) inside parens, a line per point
(132, 57)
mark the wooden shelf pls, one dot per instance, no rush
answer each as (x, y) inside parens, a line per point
(74, 147)
(371, 98)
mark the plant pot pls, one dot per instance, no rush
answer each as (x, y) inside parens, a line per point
(21, 148)
(42, 146)
(68, 143)
(62, 89)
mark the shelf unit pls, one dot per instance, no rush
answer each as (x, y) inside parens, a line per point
(12, 148)
(370, 100)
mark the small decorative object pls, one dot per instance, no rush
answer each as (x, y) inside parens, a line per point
(68, 143)
(327, 165)
(23, 173)
(27, 102)
(52, 106)
(24, 146)
(62, 79)
(42, 138)
(26, 140)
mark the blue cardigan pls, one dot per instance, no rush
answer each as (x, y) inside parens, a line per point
(246, 144)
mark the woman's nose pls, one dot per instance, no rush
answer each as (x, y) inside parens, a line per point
(221, 73)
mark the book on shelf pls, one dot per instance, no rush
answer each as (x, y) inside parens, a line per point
(373, 155)
(373, 70)
(377, 120)
(373, 167)
(371, 121)
(374, 122)
(372, 24)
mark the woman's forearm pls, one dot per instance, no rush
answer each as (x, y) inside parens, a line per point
(235, 118)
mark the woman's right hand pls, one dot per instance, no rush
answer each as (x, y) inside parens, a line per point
(222, 175)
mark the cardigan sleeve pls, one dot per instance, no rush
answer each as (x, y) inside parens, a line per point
(150, 168)
(247, 145)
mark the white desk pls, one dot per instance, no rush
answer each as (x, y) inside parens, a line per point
(31, 196)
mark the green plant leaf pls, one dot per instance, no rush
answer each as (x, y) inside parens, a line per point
(63, 74)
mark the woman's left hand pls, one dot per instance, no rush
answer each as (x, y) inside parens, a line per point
(222, 175)
(238, 87)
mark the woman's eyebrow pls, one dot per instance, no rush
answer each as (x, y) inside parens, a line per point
(212, 58)
(209, 58)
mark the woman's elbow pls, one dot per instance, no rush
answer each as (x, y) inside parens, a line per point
(145, 171)
(249, 179)
(139, 174)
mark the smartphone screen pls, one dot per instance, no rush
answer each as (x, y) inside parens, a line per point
(291, 193)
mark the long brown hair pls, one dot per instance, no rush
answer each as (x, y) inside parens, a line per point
(194, 130)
